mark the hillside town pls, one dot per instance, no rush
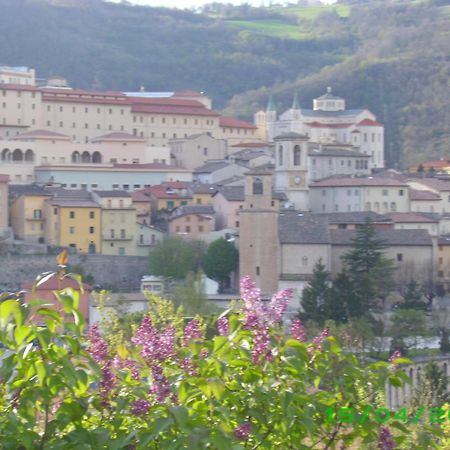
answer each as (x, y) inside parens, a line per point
(114, 173)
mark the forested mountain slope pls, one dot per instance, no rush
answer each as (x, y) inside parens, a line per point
(392, 57)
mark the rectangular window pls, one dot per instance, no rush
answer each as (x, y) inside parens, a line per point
(122, 234)
(385, 192)
(72, 230)
(257, 270)
(399, 257)
(188, 229)
(91, 230)
(91, 215)
(200, 228)
(401, 192)
(72, 214)
(170, 204)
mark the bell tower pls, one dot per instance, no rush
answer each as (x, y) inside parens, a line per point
(291, 168)
(259, 248)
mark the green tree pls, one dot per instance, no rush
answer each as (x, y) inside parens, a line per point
(316, 296)
(369, 271)
(172, 258)
(406, 323)
(220, 260)
(412, 297)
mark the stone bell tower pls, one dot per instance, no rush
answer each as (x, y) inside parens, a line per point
(259, 248)
(291, 168)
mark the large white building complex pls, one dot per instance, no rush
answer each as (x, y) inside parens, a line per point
(328, 122)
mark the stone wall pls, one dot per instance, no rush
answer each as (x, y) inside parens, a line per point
(110, 272)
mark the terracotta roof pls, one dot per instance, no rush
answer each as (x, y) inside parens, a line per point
(357, 181)
(164, 192)
(40, 134)
(154, 166)
(291, 135)
(73, 203)
(118, 136)
(4, 178)
(369, 123)
(80, 96)
(112, 167)
(54, 284)
(434, 183)
(434, 164)
(410, 217)
(17, 87)
(329, 125)
(187, 210)
(230, 122)
(415, 194)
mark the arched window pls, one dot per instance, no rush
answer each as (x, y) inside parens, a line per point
(85, 157)
(280, 155)
(17, 155)
(6, 154)
(257, 186)
(76, 158)
(29, 155)
(96, 157)
(297, 155)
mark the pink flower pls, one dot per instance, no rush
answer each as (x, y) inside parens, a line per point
(298, 330)
(192, 331)
(385, 439)
(140, 407)
(278, 305)
(160, 387)
(98, 348)
(127, 363)
(261, 344)
(223, 326)
(242, 432)
(395, 355)
(317, 341)
(187, 365)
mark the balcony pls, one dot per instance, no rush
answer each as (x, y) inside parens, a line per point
(117, 238)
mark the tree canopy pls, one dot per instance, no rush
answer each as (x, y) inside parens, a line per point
(220, 260)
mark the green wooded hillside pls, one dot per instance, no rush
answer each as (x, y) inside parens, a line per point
(392, 57)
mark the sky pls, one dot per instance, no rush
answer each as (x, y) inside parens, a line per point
(195, 3)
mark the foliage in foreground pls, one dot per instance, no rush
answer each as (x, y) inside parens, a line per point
(251, 386)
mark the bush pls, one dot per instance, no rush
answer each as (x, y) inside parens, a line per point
(253, 385)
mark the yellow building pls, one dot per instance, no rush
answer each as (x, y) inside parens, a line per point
(73, 220)
(27, 212)
(118, 218)
(202, 194)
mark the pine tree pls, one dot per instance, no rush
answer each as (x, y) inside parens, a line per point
(316, 296)
(369, 271)
(412, 297)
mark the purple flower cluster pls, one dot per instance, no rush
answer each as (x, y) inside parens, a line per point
(385, 439)
(223, 326)
(140, 407)
(160, 387)
(259, 317)
(192, 331)
(395, 355)
(298, 330)
(242, 432)
(98, 348)
(108, 381)
(317, 341)
(156, 346)
(127, 363)
(187, 365)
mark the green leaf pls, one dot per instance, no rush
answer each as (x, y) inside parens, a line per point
(9, 307)
(219, 342)
(21, 333)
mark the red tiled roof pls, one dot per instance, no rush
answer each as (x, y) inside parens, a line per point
(173, 109)
(434, 184)
(329, 125)
(230, 122)
(4, 178)
(369, 123)
(357, 181)
(118, 136)
(155, 166)
(79, 96)
(165, 192)
(53, 284)
(251, 145)
(140, 196)
(434, 164)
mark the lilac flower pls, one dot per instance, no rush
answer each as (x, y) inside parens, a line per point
(108, 381)
(223, 326)
(251, 321)
(298, 330)
(127, 363)
(249, 292)
(395, 355)
(204, 353)
(192, 331)
(242, 432)
(160, 387)
(261, 344)
(317, 341)
(140, 407)
(278, 305)
(98, 348)
(187, 365)
(385, 439)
